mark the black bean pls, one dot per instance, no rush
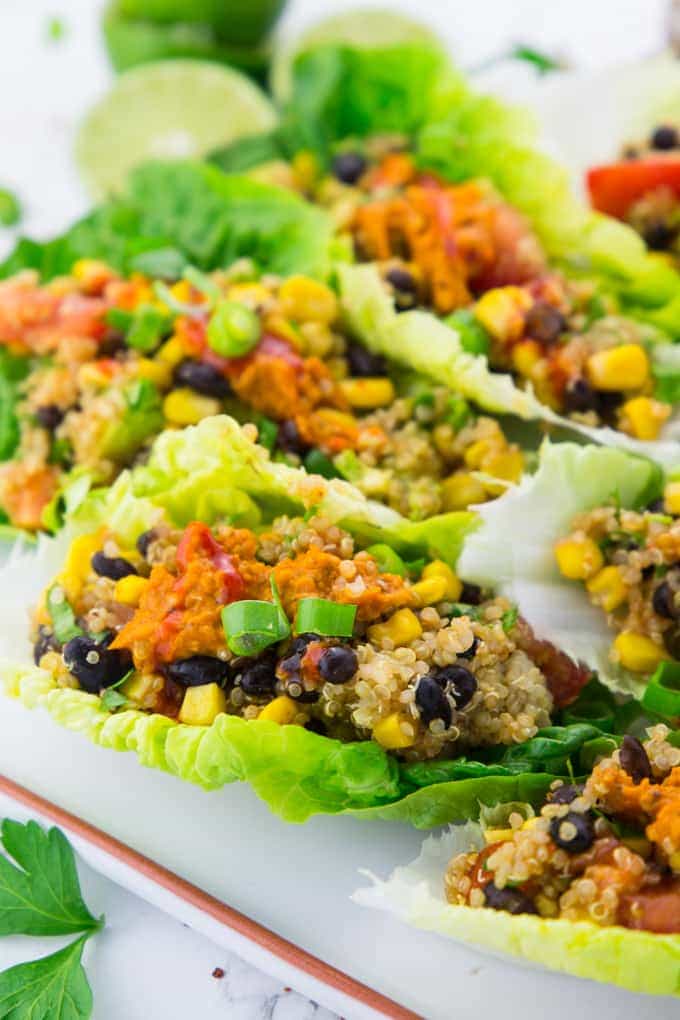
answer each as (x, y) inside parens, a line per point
(94, 665)
(202, 377)
(432, 702)
(300, 642)
(565, 794)
(664, 137)
(198, 670)
(363, 363)
(544, 323)
(470, 652)
(658, 235)
(458, 681)
(348, 167)
(338, 664)
(258, 677)
(316, 726)
(671, 640)
(289, 439)
(471, 594)
(145, 540)
(656, 506)
(663, 601)
(49, 416)
(574, 832)
(44, 643)
(512, 901)
(579, 395)
(114, 567)
(633, 759)
(401, 280)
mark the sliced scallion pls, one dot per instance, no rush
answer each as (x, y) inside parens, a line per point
(321, 616)
(387, 559)
(146, 329)
(662, 694)
(63, 618)
(252, 625)
(202, 283)
(233, 330)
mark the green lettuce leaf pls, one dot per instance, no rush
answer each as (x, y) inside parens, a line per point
(423, 343)
(636, 960)
(537, 512)
(209, 217)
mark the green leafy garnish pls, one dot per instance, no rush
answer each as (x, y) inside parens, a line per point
(10, 208)
(473, 337)
(56, 29)
(147, 329)
(542, 62)
(321, 616)
(112, 699)
(317, 463)
(61, 614)
(509, 619)
(54, 987)
(40, 894)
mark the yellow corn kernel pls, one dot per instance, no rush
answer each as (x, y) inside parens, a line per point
(674, 861)
(545, 906)
(201, 705)
(608, 587)
(281, 710)
(437, 568)
(157, 372)
(78, 563)
(92, 274)
(136, 687)
(620, 368)
(402, 628)
(638, 653)
(181, 291)
(578, 558)
(394, 732)
(502, 312)
(184, 407)
(430, 591)
(130, 589)
(461, 490)
(476, 452)
(304, 300)
(305, 169)
(504, 464)
(92, 374)
(254, 295)
(525, 356)
(368, 393)
(280, 327)
(172, 352)
(643, 417)
(498, 836)
(671, 498)
(530, 823)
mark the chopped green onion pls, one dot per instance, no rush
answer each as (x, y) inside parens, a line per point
(202, 283)
(160, 263)
(119, 319)
(146, 329)
(473, 337)
(458, 412)
(662, 694)
(267, 431)
(317, 463)
(509, 619)
(233, 330)
(63, 618)
(387, 559)
(250, 626)
(165, 295)
(463, 609)
(595, 750)
(321, 616)
(595, 713)
(10, 208)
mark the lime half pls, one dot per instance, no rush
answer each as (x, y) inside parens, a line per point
(173, 109)
(362, 27)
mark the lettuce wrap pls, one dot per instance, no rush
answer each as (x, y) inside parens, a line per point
(215, 470)
(637, 960)
(435, 349)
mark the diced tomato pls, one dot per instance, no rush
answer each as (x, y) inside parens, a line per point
(198, 541)
(614, 187)
(656, 909)
(480, 874)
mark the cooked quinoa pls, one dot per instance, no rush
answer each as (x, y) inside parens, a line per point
(606, 851)
(109, 362)
(655, 214)
(419, 671)
(461, 250)
(629, 562)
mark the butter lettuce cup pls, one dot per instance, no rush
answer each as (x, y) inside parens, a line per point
(229, 617)
(588, 885)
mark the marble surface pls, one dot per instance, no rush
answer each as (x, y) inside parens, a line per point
(146, 966)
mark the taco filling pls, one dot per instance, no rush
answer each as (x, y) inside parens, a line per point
(108, 362)
(606, 851)
(299, 626)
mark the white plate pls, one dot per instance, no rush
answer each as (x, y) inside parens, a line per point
(294, 881)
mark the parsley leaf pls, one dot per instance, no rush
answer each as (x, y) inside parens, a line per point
(40, 894)
(54, 986)
(509, 619)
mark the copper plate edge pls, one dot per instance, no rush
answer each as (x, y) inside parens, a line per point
(234, 919)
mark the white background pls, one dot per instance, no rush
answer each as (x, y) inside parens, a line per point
(146, 966)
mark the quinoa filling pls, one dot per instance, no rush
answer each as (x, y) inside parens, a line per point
(109, 362)
(607, 851)
(298, 626)
(655, 214)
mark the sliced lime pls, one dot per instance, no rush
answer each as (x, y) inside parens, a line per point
(132, 41)
(173, 109)
(366, 28)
